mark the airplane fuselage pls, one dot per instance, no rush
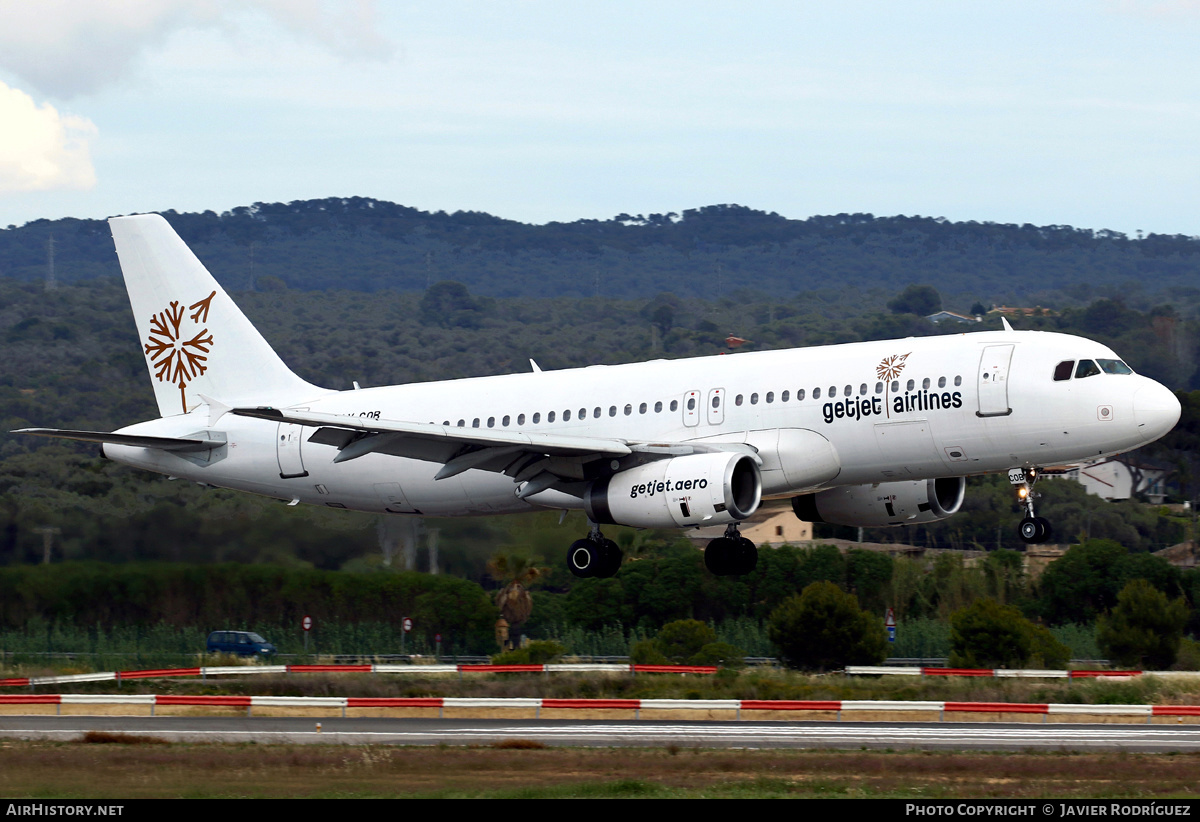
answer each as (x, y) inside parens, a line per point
(918, 408)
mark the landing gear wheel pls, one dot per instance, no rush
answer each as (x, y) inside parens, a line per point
(594, 557)
(719, 557)
(610, 558)
(584, 558)
(1031, 530)
(1036, 530)
(747, 553)
(1047, 531)
(731, 556)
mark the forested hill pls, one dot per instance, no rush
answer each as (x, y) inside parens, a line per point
(370, 245)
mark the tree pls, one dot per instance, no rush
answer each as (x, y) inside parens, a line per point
(990, 635)
(921, 300)
(823, 628)
(513, 600)
(681, 640)
(1144, 630)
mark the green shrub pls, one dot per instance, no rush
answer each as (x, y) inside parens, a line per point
(823, 628)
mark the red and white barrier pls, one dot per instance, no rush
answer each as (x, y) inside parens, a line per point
(731, 706)
(227, 670)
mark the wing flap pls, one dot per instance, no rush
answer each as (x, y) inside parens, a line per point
(556, 444)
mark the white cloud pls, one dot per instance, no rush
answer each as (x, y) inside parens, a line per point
(69, 47)
(41, 149)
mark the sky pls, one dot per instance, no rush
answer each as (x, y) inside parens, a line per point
(1050, 112)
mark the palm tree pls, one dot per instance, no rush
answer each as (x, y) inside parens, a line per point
(516, 572)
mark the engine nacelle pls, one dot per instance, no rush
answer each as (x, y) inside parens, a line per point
(887, 503)
(681, 492)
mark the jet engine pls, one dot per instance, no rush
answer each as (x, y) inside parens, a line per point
(680, 492)
(908, 502)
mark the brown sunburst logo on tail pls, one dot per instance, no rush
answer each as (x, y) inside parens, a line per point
(889, 368)
(176, 359)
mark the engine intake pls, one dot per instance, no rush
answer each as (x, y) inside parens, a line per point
(681, 492)
(887, 503)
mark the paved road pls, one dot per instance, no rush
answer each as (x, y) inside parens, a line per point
(745, 734)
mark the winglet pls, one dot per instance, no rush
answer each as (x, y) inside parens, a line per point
(1007, 327)
(536, 368)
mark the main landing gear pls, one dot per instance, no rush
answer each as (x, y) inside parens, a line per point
(1034, 529)
(594, 556)
(731, 555)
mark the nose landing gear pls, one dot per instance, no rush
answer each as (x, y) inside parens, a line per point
(1034, 530)
(732, 554)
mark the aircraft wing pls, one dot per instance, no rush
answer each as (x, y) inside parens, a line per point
(540, 460)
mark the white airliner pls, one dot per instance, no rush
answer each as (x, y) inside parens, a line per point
(875, 433)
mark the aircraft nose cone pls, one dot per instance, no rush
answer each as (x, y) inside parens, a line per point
(1156, 410)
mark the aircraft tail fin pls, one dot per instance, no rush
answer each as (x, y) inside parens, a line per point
(195, 338)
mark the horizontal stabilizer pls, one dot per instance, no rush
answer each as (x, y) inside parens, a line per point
(177, 444)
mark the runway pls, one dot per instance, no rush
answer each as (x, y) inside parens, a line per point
(582, 733)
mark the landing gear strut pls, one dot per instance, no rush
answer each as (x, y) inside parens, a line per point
(594, 556)
(1034, 529)
(731, 555)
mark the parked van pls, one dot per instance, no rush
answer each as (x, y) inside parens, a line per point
(242, 643)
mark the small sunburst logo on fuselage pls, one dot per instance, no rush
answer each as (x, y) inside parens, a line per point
(889, 369)
(174, 356)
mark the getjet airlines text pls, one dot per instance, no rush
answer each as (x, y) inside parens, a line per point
(652, 488)
(855, 409)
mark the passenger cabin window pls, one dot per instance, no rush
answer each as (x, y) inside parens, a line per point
(520, 419)
(754, 399)
(1063, 370)
(800, 395)
(1086, 368)
(784, 396)
(770, 396)
(816, 393)
(537, 417)
(674, 405)
(658, 407)
(550, 417)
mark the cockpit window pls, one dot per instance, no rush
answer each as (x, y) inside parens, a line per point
(1114, 367)
(1063, 370)
(1086, 368)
